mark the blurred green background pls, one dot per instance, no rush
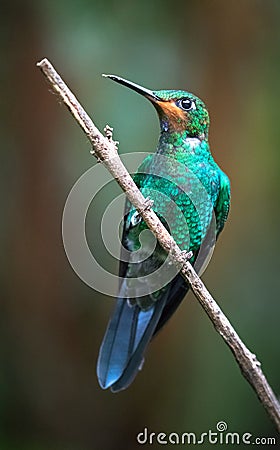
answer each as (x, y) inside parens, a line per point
(228, 53)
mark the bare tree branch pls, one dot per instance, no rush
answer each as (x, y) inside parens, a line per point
(105, 150)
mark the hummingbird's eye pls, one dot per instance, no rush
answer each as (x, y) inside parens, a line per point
(186, 104)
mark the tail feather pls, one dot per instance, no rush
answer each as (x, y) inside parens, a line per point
(128, 334)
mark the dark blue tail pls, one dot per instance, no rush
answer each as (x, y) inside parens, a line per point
(128, 334)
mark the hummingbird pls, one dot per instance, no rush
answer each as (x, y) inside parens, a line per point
(191, 195)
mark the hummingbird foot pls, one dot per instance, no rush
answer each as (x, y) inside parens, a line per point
(183, 258)
(148, 204)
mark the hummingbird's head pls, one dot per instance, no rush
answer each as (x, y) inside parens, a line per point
(178, 111)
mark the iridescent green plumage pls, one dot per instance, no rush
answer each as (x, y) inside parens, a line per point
(191, 196)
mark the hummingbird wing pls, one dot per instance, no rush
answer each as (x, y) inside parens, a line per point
(179, 287)
(178, 290)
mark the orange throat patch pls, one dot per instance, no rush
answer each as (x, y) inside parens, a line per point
(176, 117)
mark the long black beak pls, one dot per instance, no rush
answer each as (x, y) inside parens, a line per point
(141, 90)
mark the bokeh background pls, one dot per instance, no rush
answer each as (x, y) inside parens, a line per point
(51, 323)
